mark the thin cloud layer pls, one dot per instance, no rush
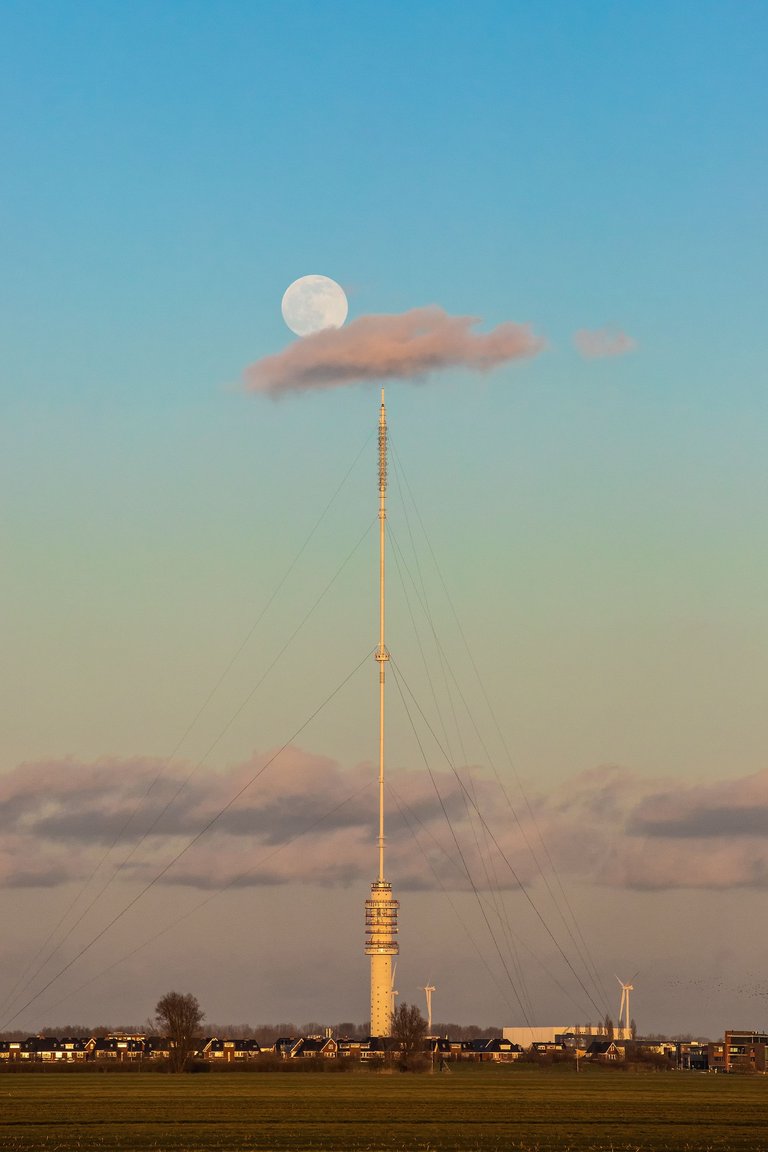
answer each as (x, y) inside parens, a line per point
(599, 343)
(404, 346)
(310, 820)
(57, 819)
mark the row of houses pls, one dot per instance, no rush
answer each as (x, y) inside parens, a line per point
(739, 1051)
(123, 1048)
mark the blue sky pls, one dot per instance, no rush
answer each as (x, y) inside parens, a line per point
(168, 171)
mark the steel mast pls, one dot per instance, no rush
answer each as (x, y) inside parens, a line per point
(381, 908)
(382, 656)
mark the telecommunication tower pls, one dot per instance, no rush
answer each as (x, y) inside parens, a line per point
(381, 908)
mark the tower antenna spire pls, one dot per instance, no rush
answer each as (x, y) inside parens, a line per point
(382, 656)
(381, 908)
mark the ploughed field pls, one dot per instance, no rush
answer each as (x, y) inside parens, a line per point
(467, 1109)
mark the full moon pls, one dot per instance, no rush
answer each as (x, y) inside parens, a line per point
(313, 303)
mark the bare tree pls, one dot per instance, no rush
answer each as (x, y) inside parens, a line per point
(466, 1031)
(352, 1030)
(313, 1028)
(178, 1017)
(409, 1029)
(266, 1034)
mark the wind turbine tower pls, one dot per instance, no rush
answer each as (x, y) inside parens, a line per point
(394, 993)
(625, 1028)
(381, 908)
(428, 989)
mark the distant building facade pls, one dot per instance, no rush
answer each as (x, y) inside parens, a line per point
(745, 1051)
(555, 1034)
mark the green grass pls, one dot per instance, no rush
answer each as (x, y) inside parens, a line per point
(472, 1110)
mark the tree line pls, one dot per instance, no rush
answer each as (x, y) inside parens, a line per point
(178, 1018)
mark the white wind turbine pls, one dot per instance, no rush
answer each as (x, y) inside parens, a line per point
(428, 989)
(625, 1028)
(393, 991)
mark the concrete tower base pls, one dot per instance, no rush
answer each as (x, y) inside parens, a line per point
(381, 946)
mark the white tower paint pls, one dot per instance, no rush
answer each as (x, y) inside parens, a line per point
(625, 1028)
(381, 908)
(428, 989)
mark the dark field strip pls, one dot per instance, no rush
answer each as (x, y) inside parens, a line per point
(472, 1110)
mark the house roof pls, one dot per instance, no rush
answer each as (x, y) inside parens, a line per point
(381, 1044)
(317, 1043)
(112, 1044)
(490, 1044)
(41, 1044)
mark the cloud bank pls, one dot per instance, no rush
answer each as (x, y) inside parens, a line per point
(598, 343)
(605, 827)
(404, 346)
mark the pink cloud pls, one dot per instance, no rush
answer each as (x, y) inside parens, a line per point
(657, 835)
(599, 343)
(309, 819)
(407, 345)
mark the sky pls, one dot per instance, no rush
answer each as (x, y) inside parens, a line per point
(578, 555)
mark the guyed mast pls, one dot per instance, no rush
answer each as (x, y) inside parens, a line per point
(381, 908)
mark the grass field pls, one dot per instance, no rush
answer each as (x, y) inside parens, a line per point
(474, 1109)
